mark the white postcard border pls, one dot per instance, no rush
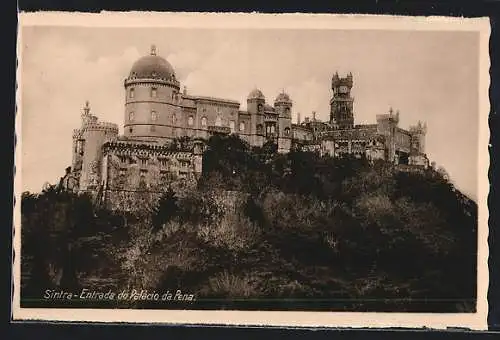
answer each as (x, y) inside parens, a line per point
(476, 320)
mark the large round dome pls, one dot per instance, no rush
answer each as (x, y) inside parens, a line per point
(152, 66)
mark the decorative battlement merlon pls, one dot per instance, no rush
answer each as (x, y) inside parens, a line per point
(152, 81)
(101, 126)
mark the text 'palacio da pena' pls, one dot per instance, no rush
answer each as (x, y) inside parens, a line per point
(157, 113)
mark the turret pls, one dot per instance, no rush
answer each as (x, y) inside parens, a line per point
(283, 107)
(152, 94)
(255, 106)
(386, 126)
(418, 133)
(87, 148)
(341, 104)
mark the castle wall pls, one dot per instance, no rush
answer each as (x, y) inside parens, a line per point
(301, 134)
(402, 140)
(133, 169)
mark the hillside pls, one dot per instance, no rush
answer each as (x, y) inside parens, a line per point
(265, 231)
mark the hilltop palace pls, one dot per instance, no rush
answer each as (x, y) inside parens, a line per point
(157, 112)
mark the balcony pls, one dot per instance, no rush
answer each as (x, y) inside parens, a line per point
(219, 129)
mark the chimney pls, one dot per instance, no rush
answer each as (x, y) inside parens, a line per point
(314, 116)
(298, 118)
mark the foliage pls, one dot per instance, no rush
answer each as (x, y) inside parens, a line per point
(269, 230)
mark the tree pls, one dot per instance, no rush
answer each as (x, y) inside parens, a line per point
(165, 210)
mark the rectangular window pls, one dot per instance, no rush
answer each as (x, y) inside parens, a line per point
(131, 93)
(144, 161)
(153, 92)
(154, 116)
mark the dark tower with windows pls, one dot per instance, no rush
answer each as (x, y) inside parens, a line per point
(341, 104)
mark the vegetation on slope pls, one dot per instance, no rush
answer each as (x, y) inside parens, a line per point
(265, 231)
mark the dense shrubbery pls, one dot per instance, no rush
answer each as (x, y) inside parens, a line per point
(266, 230)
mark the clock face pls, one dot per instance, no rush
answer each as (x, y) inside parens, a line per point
(343, 89)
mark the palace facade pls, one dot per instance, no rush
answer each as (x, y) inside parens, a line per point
(157, 112)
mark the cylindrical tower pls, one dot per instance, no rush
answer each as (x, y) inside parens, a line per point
(152, 99)
(88, 142)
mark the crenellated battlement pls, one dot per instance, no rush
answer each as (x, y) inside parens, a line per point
(77, 133)
(101, 126)
(141, 149)
(152, 82)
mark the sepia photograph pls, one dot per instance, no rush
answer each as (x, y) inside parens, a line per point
(262, 164)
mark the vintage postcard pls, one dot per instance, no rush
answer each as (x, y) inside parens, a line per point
(251, 169)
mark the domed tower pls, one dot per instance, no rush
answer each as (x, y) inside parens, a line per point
(255, 106)
(283, 107)
(152, 99)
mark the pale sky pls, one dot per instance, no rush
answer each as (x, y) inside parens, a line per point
(428, 76)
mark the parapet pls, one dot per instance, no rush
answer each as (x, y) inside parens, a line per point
(132, 148)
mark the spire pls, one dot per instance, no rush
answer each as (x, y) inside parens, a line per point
(153, 49)
(86, 109)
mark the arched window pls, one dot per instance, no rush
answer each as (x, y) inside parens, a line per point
(287, 131)
(287, 111)
(204, 121)
(218, 121)
(174, 119)
(131, 93)
(190, 121)
(153, 92)
(154, 116)
(232, 126)
(242, 126)
(131, 116)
